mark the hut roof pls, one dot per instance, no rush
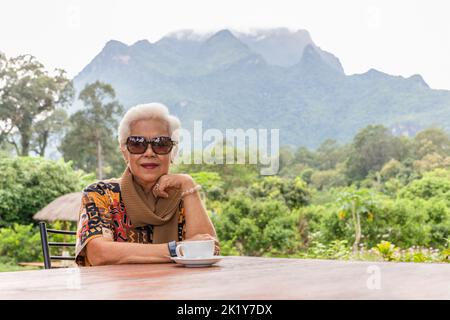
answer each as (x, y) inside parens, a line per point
(65, 208)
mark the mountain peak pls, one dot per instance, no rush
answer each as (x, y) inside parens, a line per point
(224, 39)
(223, 35)
(417, 78)
(374, 73)
(115, 44)
(284, 47)
(223, 49)
(142, 44)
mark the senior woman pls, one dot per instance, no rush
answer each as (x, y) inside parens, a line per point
(139, 217)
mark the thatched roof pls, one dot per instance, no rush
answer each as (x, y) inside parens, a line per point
(65, 208)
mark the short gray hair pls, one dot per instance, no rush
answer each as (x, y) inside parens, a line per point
(148, 111)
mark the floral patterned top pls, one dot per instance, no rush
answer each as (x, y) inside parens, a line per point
(103, 214)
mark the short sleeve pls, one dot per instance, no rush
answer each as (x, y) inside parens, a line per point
(181, 222)
(92, 221)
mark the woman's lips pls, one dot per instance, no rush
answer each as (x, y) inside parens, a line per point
(150, 165)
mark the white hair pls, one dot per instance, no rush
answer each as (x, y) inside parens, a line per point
(149, 111)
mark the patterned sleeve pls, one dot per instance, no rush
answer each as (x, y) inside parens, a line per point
(181, 223)
(92, 221)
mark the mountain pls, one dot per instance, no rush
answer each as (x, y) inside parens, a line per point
(282, 47)
(264, 79)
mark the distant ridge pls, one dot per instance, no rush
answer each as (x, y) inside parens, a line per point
(274, 78)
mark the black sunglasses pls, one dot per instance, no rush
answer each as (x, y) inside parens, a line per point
(160, 145)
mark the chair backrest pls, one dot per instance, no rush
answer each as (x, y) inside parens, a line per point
(46, 245)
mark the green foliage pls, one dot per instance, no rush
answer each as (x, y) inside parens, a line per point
(293, 192)
(359, 205)
(329, 154)
(255, 228)
(402, 221)
(20, 243)
(391, 169)
(372, 147)
(311, 214)
(27, 184)
(433, 184)
(432, 140)
(232, 175)
(430, 162)
(386, 249)
(326, 179)
(212, 184)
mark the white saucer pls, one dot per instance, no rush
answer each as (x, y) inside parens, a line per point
(197, 262)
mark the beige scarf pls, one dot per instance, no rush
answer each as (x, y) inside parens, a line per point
(143, 209)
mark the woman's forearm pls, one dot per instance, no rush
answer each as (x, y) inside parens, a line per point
(101, 252)
(197, 219)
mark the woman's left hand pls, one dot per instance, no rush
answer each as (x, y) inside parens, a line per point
(167, 181)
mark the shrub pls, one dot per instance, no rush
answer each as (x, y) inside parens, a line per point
(255, 228)
(432, 184)
(20, 243)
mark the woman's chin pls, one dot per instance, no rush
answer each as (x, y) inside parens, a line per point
(148, 177)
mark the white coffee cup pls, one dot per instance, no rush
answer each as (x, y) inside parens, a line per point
(196, 249)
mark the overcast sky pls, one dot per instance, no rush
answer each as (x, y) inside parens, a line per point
(397, 37)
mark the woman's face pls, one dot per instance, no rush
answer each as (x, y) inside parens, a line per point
(148, 166)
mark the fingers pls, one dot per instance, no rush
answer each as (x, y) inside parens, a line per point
(159, 190)
(162, 191)
(167, 181)
(206, 236)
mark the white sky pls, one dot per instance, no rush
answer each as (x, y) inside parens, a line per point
(398, 37)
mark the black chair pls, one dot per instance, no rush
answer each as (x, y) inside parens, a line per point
(45, 244)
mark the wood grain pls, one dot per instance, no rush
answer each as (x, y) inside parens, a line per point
(235, 278)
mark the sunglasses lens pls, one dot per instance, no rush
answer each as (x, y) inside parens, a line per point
(162, 145)
(136, 145)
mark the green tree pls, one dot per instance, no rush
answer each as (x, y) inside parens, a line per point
(44, 128)
(212, 184)
(434, 184)
(330, 153)
(432, 140)
(372, 147)
(27, 184)
(91, 139)
(287, 157)
(305, 156)
(391, 169)
(29, 94)
(293, 192)
(327, 179)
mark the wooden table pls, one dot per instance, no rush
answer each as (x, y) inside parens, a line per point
(235, 278)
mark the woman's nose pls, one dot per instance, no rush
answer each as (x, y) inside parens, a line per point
(149, 152)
